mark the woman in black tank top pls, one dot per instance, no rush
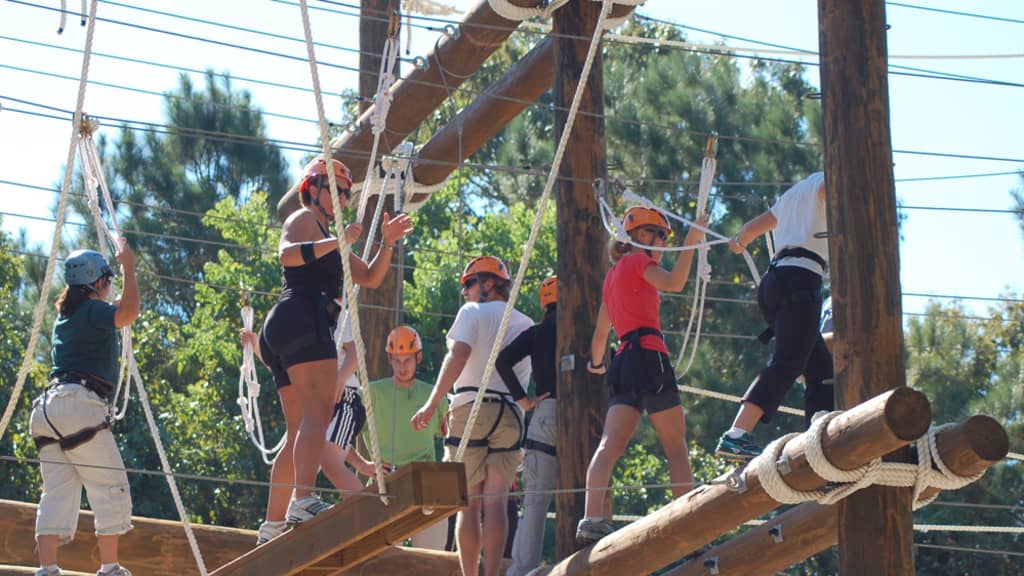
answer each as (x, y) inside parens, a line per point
(296, 340)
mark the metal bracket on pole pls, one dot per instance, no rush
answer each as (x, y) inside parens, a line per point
(712, 565)
(776, 533)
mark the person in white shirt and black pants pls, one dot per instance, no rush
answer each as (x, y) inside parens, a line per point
(790, 299)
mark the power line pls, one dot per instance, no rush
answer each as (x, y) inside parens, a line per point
(965, 549)
(956, 13)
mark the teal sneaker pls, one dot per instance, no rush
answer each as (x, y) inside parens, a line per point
(590, 531)
(740, 449)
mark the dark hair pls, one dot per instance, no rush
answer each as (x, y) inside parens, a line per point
(550, 310)
(310, 183)
(71, 298)
(501, 286)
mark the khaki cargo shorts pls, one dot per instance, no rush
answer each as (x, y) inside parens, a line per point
(498, 449)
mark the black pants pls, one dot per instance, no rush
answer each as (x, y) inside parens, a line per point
(790, 302)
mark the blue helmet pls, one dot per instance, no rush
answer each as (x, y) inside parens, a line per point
(85, 267)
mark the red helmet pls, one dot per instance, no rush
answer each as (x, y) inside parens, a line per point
(639, 216)
(404, 340)
(485, 265)
(317, 167)
(549, 291)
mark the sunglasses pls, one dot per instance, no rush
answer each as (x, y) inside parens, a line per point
(658, 232)
(345, 191)
(470, 283)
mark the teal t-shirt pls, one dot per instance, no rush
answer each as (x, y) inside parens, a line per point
(393, 408)
(87, 341)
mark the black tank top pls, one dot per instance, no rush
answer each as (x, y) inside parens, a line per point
(315, 278)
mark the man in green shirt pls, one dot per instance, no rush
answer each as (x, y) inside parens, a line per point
(395, 401)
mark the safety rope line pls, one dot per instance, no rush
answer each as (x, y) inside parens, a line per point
(381, 107)
(702, 274)
(343, 250)
(62, 204)
(929, 471)
(595, 42)
(249, 393)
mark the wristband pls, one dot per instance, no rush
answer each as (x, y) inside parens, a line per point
(592, 366)
(308, 253)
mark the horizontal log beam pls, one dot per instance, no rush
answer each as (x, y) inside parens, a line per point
(415, 561)
(360, 527)
(966, 449)
(876, 427)
(153, 547)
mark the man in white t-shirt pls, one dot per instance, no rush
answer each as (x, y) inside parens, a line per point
(492, 455)
(789, 297)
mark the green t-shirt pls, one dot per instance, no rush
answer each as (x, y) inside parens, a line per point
(87, 341)
(393, 408)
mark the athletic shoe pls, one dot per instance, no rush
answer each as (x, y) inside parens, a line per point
(739, 449)
(305, 509)
(589, 531)
(115, 571)
(270, 530)
(46, 572)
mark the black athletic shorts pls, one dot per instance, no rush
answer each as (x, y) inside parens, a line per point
(348, 421)
(643, 379)
(298, 330)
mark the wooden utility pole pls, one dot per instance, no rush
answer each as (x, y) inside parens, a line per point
(582, 261)
(376, 314)
(875, 525)
(854, 438)
(967, 449)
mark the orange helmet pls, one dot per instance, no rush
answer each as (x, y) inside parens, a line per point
(485, 265)
(404, 340)
(317, 167)
(638, 216)
(549, 291)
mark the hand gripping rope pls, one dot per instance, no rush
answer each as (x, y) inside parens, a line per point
(920, 476)
(570, 119)
(249, 393)
(343, 250)
(702, 276)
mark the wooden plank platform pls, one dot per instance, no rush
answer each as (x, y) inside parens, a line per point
(361, 527)
(153, 547)
(11, 570)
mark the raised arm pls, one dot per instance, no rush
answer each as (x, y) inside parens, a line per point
(392, 231)
(129, 306)
(302, 242)
(675, 280)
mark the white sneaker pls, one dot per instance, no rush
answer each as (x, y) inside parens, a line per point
(270, 530)
(305, 508)
(46, 572)
(115, 571)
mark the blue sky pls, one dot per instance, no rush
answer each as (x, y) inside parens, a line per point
(943, 252)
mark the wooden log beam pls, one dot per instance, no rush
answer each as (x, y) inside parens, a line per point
(415, 561)
(967, 449)
(419, 94)
(582, 260)
(862, 433)
(876, 525)
(359, 528)
(154, 547)
(12, 570)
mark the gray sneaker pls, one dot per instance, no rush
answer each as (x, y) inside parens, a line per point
(46, 572)
(270, 530)
(740, 449)
(589, 531)
(115, 571)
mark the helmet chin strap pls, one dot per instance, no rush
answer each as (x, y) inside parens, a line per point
(316, 202)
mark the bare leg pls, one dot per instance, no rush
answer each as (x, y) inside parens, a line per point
(671, 428)
(283, 470)
(495, 521)
(108, 548)
(334, 468)
(467, 532)
(315, 383)
(619, 425)
(748, 416)
(47, 544)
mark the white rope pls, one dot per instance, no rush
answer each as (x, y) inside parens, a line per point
(343, 250)
(166, 466)
(249, 394)
(62, 204)
(702, 275)
(929, 471)
(379, 118)
(556, 164)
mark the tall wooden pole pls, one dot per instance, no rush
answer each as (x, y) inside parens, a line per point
(967, 449)
(875, 525)
(582, 261)
(376, 317)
